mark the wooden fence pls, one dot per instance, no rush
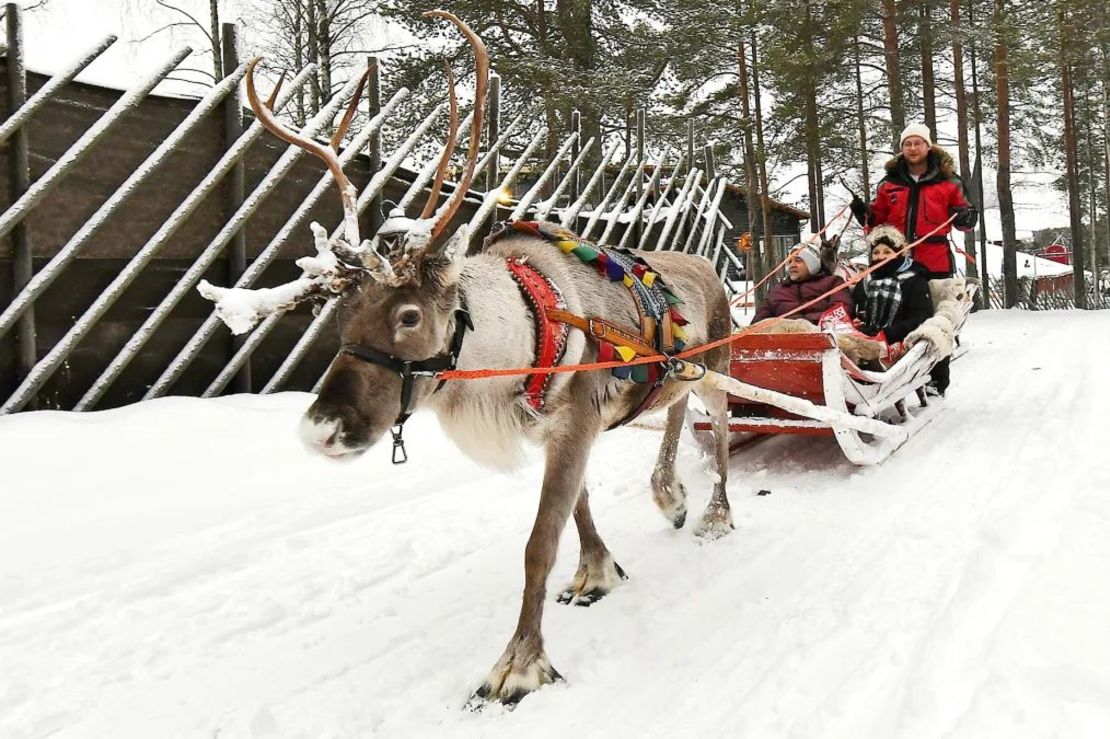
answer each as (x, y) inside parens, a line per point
(120, 203)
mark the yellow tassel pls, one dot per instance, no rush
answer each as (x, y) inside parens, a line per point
(626, 353)
(566, 246)
(627, 281)
(678, 332)
(648, 279)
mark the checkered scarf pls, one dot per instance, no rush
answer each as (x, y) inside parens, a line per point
(884, 295)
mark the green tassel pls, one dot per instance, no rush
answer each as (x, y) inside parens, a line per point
(640, 373)
(585, 253)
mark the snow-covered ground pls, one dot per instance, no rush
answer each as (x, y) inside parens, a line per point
(181, 568)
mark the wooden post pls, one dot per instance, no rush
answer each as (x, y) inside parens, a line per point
(493, 130)
(576, 127)
(710, 163)
(19, 180)
(690, 142)
(374, 215)
(641, 133)
(235, 189)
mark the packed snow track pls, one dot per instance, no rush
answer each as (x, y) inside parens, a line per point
(183, 568)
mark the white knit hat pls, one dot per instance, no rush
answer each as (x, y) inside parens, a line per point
(915, 129)
(812, 258)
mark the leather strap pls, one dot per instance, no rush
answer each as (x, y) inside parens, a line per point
(551, 336)
(603, 330)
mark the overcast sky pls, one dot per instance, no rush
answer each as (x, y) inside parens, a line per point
(58, 33)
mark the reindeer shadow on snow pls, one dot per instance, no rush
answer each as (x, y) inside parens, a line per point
(413, 305)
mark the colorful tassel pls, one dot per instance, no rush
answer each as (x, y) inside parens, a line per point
(628, 281)
(648, 279)
(614, 270)
(567, 246)
(586, 253)
(627, 353)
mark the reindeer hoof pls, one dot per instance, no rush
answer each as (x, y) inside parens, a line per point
(508, 683)
(716, 523)
(670, 496)
(591, 584)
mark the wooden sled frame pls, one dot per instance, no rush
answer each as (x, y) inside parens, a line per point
(803, 384)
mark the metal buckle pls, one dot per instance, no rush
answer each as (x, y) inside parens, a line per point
(598, 333)
(683, 370)
(400, 456)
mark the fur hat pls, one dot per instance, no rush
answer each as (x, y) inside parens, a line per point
(915, 129)
(809, 254)
(888, 235)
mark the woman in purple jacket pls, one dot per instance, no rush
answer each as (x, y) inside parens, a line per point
(807, 278)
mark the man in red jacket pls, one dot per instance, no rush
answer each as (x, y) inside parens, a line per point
(920, 191)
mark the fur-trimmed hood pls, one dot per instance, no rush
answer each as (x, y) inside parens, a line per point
(896, 238)
(941, 165)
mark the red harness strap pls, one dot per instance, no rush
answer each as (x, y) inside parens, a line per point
(551, 336)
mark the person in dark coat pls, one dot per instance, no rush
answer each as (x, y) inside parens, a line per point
(893, 300)
(807, 279)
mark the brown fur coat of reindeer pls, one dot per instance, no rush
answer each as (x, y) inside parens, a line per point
(405, 306)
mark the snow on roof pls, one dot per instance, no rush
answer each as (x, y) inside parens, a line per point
(1027, 264)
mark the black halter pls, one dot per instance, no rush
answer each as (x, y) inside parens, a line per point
(410, 369)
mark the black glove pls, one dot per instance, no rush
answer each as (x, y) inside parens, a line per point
(869, 329)
(860, 210)
(966, 217)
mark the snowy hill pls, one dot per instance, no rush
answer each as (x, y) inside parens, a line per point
(181, 568)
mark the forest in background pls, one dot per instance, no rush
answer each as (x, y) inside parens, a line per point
(785, 89)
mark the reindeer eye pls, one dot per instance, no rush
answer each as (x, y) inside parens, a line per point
(410, 318)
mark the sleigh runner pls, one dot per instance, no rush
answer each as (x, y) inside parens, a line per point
(804, 384)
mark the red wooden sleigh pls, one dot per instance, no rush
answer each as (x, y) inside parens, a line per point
(803, 384)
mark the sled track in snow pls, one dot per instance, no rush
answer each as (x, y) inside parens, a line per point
(190, 572)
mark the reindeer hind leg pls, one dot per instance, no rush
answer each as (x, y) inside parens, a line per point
(666, 489)
(597, 573)
(717, 519)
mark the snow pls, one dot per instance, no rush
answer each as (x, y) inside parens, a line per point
(1027, 264)
(182, 568)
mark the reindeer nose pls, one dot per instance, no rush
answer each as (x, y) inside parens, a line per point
(319, 434)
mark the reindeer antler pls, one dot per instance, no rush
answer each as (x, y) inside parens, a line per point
(336, 268)
(481, 70)
(448, 147)
(327, 153)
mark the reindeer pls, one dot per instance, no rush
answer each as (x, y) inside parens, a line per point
(422, 305)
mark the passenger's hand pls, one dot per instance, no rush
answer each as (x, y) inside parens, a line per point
(869, 329)
(860, 210)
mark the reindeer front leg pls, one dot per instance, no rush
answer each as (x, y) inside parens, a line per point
(524, 667)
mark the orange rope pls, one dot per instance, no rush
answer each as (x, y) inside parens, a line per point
(736, 300)
(970, 257)
(701, 349)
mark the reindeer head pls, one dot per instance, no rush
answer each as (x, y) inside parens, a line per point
(399, 306)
